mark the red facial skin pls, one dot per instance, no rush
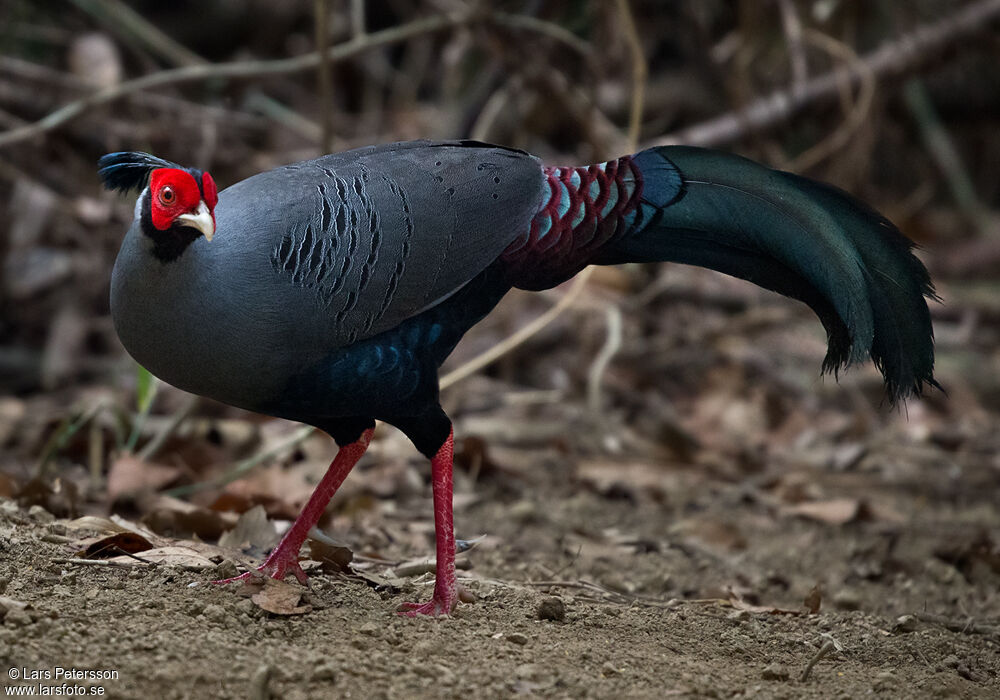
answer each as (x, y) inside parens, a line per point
(174, 192)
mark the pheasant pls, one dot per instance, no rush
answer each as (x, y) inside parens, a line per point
(331, 291)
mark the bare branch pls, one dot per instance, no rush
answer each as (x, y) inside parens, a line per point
(324, 83)
(540, 26)
(124, 19)
(259, 69)
(895, 58)
(792, 25)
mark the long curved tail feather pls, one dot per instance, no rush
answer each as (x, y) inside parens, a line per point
(801, 238)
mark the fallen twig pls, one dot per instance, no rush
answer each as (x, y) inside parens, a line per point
(827, 647)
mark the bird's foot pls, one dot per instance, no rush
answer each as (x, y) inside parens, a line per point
(443, 603)
(434, 607)
(283, 561)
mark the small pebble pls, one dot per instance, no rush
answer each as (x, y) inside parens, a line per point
(227, 569)
(17, 618)
(532, 672)
(552, 608)
(517, 638)
(739, 615)
(39, 514)
(775, 672)
(609, 669)
(884, 681)
(259, 683)
(905, 623)
(215, 613)
(438, 672)
(523, 512)
(325, 672)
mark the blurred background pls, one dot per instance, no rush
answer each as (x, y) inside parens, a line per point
(663, 366)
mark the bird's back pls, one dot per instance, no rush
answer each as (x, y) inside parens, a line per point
(319, 255)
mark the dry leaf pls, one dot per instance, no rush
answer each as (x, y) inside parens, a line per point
(333, 558)
(113, 545)
(814, 600)
(235, 502)
(173, 555)
(92, 522)
(172, 516)
(253, 530)
(129, 476)
(8, 487)
(796, 487)
(58, 496)
(837, 511)
(716, 534)
(389, 583)
(280, 598)
(607, 477)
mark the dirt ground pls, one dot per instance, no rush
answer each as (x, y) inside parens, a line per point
(722, 569)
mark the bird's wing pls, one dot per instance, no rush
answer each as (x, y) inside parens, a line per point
(378, 234)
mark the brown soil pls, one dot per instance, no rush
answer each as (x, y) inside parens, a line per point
(675, 582)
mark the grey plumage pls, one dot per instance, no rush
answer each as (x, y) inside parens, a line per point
(317, 255)
(331, 291)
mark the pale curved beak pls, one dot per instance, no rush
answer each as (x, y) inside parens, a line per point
(201, 219)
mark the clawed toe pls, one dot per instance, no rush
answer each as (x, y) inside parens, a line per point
(435, 607)
(277, 566)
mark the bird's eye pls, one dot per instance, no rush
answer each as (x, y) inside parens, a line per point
(167, 195)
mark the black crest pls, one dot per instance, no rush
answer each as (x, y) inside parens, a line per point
(129, 170)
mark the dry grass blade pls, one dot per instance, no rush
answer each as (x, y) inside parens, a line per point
(519, 337)
(639, 73)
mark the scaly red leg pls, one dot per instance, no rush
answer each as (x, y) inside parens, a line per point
(285, 557)
(445, 586)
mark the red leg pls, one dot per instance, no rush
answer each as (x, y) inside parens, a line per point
(285, 557)
(445, 586)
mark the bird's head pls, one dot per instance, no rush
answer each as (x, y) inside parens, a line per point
(177, 204)
(178, 197)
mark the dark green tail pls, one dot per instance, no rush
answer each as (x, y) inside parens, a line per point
(801, 238)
